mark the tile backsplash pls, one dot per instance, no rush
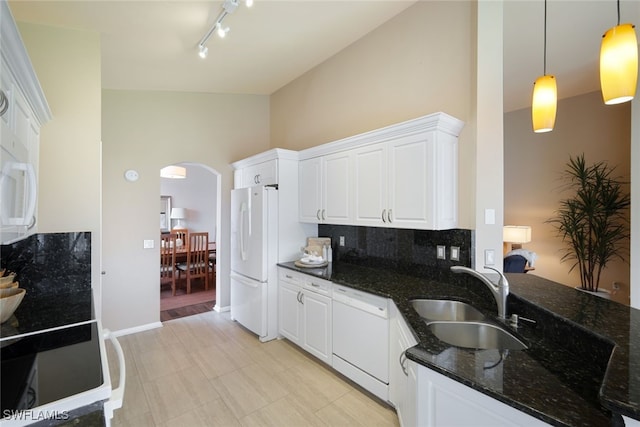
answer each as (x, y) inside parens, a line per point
(402, 250)
(50, 263)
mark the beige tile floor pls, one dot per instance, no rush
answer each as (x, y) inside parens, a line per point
(206, 370)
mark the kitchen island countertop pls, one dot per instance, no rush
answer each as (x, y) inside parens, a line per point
(579, 368)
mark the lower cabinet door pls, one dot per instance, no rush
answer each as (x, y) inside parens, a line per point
(290, 312)
(317, 325)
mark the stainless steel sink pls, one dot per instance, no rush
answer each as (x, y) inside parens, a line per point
(441, 309)
(478, 335)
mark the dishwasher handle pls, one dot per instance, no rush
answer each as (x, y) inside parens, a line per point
(371, 304)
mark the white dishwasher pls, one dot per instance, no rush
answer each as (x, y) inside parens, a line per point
(361, 338)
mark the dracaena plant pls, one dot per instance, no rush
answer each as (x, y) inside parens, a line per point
(593, 222)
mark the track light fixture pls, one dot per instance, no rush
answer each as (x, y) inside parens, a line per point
(228, 7)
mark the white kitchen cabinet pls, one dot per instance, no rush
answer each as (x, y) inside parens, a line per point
(317, 325)
(336, 188)
(408, 182)
(24, 112)
(305, 312)
(442, 401)
(370, 185)
(265, 173)
(310, 188)
(325, 189)
(401, 176)
(290, 311)
(402, 372)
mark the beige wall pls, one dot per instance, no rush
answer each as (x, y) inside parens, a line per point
(534, 162)
(418, 63)
(67, 63)
(146, 131)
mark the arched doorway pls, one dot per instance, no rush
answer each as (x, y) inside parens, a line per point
(197, 197)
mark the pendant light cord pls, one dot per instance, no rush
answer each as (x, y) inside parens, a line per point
(545, 37)
(618, 12)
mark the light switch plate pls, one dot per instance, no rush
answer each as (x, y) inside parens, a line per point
(489, 216)
(441, 252)
(454, 253)
(489, 257)
(148, 244)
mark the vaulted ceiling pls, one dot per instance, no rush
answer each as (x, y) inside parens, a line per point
(152, 44)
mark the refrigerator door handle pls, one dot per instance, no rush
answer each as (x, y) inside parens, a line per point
(244, 281)
(242, 237)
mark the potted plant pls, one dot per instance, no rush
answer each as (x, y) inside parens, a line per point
(593, 221)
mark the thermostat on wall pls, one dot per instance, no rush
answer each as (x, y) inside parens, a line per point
(131, 175)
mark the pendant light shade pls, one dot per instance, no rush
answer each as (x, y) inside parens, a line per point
(619, 64)
(545, 94)
(544, 105)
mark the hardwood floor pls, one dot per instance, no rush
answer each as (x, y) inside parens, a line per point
(188, 310)
(206, 370)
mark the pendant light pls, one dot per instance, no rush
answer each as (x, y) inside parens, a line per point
(619, 63)
(545, 94)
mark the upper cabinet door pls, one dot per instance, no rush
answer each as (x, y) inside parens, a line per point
(265, 173)
(337, 189)
(310, 190)
(410, 182)
(370, 185)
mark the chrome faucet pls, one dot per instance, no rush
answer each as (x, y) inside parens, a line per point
(499, 291)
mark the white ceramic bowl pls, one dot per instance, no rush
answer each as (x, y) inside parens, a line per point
(9, 303)
(7, 280)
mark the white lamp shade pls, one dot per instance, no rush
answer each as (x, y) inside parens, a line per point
(516, 233)
(178, 213)
(174, 172)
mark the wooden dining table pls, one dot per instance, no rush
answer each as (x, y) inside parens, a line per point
(181, 252)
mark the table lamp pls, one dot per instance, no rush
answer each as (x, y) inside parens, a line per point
(516, 235)
(178, 214)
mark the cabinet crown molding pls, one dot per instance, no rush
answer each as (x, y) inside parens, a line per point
(440, 121)
(275, 153)
(15, 56)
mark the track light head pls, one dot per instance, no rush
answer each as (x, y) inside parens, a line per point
(203, 51)
(222, 31)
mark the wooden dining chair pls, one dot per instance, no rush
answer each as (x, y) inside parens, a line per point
(168, 260)
(182, 234)
(197, 265)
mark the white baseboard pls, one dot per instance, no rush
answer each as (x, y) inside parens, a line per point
(137, 329)
(221, 309)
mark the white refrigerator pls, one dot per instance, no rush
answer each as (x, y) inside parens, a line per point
(254, 257)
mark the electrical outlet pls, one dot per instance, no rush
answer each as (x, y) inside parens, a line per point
(489, 257)
(147, 244)
(341, 240)
(454, 253)
(441, 252)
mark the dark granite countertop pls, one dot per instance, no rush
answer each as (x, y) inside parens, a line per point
(583, 360)
(42, 312)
